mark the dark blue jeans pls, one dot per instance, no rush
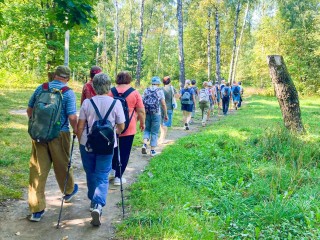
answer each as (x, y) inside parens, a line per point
(225, 104)
(239, 103)
(97, 168)
(125, 144)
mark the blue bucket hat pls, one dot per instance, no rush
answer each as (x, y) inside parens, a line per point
(155, 80)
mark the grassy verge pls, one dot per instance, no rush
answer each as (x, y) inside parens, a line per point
(245, 177)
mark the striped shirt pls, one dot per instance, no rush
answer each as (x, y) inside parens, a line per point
(68, 103)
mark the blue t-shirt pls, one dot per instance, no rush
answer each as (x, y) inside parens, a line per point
(68, 102)
(225, 92)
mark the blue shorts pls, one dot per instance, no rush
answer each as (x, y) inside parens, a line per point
(167, 123)
(187, 107)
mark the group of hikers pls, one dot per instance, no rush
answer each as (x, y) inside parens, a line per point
(105, 129)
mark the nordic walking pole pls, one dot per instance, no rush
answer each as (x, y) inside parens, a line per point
(121, 187)
(66, 181)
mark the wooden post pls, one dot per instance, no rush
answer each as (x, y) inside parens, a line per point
(286, 93)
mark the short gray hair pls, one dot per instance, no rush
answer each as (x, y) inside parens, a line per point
(101, 83)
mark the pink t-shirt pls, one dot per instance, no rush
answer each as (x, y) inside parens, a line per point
(103, 103)
(134, 100)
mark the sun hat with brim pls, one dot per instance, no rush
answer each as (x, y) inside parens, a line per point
(62, 71)
(155, 80)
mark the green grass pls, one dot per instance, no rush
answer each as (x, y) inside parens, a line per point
(245, 177)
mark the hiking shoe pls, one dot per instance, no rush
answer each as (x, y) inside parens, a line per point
(116, 181)
(144, 149)
(112, 174)
(153, 153)
(96, 215)
(36, 217)
(68, 198)
(92, 204)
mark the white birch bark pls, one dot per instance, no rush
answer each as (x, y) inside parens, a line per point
(218, 48)
(240, 40)
(235, 32)
(138, 74)
(180, 42)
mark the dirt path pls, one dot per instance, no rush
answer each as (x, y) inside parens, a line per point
(75, 223)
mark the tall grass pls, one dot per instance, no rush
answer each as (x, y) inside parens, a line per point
(244, 178)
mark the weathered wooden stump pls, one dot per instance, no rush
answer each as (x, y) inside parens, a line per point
(286, 93)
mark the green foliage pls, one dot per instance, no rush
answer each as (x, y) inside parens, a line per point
(235, 180)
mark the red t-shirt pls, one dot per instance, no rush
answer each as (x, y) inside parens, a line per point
(87, 91)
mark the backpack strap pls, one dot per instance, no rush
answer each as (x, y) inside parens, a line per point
(45, 86)
(64, 89)
(96, 109)
(109, 111)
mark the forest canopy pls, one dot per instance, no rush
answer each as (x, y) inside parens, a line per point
(106, 33)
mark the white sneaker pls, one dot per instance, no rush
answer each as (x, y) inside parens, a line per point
(153, 153)
(112, 174)
(116, 181)
(144, 149)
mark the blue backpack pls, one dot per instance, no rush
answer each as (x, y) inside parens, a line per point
(151, 101)
(186, 97)
(236, 91)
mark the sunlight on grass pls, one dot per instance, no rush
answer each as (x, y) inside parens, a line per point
(244, 176)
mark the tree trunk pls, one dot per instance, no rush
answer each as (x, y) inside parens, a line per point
(239, 44)
(209, 44)
(286, 93)
(218, 48)
(98, 47)
(138, 74)
(235, 32)
(116, 37)
(180, 39)
(104, 51)
(161, 40)
(66, 48)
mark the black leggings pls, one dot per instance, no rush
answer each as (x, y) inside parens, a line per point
(125, 144)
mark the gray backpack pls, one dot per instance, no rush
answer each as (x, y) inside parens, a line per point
(44, 124)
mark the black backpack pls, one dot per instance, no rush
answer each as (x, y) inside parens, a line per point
(122, 98)
(101, 138)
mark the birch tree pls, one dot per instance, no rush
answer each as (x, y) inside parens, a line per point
(116, 33)
(180, 42)
(235, 31)
(218, 48)
(140, 47)
(209, 43)
(240, 41)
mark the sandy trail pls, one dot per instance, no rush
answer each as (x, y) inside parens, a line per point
(75, 221)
